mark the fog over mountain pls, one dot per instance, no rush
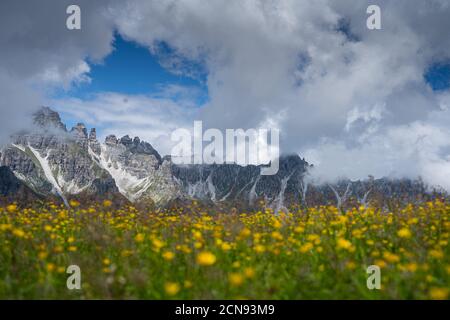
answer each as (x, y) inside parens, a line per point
(50, 162)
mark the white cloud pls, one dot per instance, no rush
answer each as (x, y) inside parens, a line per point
(53, 76)
(421, 148)
(354, 107)
(151, 117)
(38, 54)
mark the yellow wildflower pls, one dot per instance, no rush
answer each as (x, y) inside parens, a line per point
(11, 208)
(259, 248)
(299, 229)
(226, 246)
(306, 247)
(139, 237)
(107, 203)
(19, 233)
(50, 267)
(351, 265)
(206, 258)
(172, 288)
(381, 263)
(439, 293)
(344, 244)
(245, 232)
(168, 255)
(74, 203)
(436, 253)
(158, 244)
(404, 233)
(391, 257)
(235, 279)
(249, 272)
(42, 255)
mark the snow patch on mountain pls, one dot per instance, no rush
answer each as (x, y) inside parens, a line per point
(129, 185)
(48, 172)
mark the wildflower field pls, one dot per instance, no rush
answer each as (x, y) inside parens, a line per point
(316, 253)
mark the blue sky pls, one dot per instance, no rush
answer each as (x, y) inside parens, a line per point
(438, 76)
(132, 69)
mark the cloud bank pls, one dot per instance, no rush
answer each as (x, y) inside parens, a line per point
(351, 100)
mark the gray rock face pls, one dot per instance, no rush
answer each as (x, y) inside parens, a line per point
(13, 189)
(46, 118)
(111, 140)
(26, 170)
(136, 146)
(52, 161)
(231, 182)
(79, 131)
(137, 169)
(93, 135)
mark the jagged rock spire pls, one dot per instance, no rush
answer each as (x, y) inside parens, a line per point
(93, 135)
(79, 131)
(111, 140)
(46, 118)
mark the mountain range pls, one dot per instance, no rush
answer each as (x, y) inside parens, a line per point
(52, 162)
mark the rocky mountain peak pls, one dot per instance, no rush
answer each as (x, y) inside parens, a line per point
(126, 140)
(142, 147)
(289, 162)
(93, 135)
(111, 140)
(134, 146)
(46, 118)
(79, 131)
